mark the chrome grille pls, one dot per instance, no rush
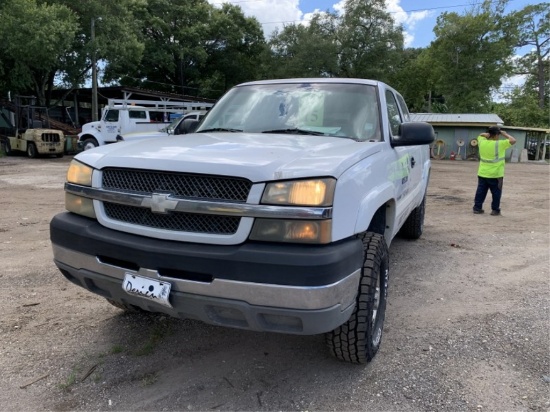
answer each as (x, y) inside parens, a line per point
(178, 184)
(50, 137)
(186, 222)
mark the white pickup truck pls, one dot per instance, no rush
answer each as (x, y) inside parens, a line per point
(275, 215)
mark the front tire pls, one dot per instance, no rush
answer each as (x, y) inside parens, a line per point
(7, 148)
(358, 340)
(89, 143)
(31, 150)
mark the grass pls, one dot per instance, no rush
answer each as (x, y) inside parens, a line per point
(117, 349)
(71, 380)
(158, 332)
(149, 379)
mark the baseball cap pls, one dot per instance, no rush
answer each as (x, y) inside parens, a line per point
(494, 130)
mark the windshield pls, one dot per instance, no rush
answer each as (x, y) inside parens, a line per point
(328, 109)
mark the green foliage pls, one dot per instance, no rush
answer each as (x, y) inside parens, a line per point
(306, 51)
(413, 79)
(533, 25)
(234, 49)
(116, 43)
(35, 37)
(522, 109)
(471, 54)
(371, 43)
(196, 48)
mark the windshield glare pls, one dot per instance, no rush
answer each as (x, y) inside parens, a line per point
(332, 109)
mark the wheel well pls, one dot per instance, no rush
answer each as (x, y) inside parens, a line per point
(383, 220)
(87, 136)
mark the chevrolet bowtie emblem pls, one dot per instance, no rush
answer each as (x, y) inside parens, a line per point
(160, 203)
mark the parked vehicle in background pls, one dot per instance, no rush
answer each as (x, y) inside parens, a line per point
(275, 215)
(121, 117)
(174, 128)
(31, 133)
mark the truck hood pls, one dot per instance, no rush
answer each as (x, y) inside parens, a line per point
(131, 137)
(89, 126)
(257, 157)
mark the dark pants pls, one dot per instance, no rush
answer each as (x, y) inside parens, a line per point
(484, 184)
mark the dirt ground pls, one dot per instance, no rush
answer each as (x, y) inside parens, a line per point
(467, 326)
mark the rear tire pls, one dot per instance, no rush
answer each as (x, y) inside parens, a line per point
(414, 225)
(358, 340)
(31, 150)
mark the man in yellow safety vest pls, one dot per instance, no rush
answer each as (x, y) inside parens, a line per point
(490, 174)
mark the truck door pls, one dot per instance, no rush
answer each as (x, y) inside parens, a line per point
(111, 124)
(406, 169)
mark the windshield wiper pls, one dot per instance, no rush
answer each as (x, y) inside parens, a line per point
(219, 129)
(295, 130)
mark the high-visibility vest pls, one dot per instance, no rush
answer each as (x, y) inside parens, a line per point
(492, 155)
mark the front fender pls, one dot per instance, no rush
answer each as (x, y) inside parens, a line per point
(87, 134)
(376, 198)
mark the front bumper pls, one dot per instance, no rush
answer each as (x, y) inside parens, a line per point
(299, 289)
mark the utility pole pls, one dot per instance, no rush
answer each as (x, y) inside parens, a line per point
(94, 72)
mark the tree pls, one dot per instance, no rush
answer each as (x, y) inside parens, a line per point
(194, 48)
(48, 43)
(521, 107)
(471, 54)
(34, 37)
(371, 43)
(306, 51)
(413, 79)
(116, 43)
(235, 46)
(533, 23)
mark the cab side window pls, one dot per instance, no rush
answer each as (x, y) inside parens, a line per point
(394, 115)
(137, 114)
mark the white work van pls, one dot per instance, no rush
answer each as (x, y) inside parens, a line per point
(121, 117)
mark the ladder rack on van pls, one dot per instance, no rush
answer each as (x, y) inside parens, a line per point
(159, 105)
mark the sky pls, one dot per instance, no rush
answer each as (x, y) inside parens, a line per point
(417, 16)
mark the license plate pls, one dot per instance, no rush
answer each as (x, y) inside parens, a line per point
(147, 288)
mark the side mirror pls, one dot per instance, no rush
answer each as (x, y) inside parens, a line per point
(187, 126)
(413, 134)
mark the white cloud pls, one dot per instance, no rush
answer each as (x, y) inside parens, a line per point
(274, 14)
(271, 14)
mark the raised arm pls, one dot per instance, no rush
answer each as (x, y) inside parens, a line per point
(510, 138)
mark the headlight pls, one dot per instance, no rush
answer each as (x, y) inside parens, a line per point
(79, 174)
(307, 193)
(316, 192)
(79, 205)
(295, 231)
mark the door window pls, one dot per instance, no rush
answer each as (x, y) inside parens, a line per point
(394, 115)
(111, 116)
